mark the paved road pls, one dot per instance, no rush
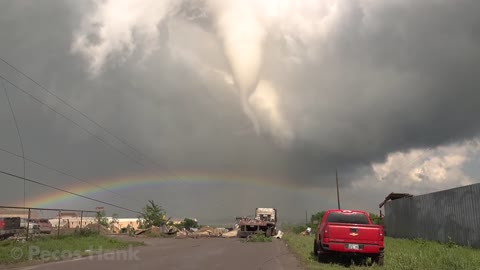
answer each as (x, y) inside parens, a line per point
(182, 254)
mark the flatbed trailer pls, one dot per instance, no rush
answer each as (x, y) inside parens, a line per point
(264, 222)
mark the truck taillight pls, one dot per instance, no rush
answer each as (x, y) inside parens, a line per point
(381, 234)
(2, 224)
(325, 233)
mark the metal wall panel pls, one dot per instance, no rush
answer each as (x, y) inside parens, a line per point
(452, 214)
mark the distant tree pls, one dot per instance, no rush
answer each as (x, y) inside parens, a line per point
(114, 218)
(376, 219)
(189, 223)
(102, 218)
(317, 218)
(152, 215)
(113, 221)
(179, 226)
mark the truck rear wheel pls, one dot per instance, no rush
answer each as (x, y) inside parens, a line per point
(379, 259)
(315, 247)
(321, 258)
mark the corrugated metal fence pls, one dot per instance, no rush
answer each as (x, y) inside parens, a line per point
(452, 214)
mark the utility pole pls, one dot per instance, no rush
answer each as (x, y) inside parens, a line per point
(306, 219)
(338, 193)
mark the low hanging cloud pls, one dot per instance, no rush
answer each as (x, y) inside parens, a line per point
(336, 83)
(424, 170)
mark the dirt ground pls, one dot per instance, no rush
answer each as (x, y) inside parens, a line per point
(204, 253)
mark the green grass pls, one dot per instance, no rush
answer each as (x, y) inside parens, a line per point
(400, 254)
(13, 252)
(258, 238)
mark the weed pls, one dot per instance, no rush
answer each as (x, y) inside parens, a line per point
(401, 254)
(258, 238)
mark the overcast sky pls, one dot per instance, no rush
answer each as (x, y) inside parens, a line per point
(275, 93)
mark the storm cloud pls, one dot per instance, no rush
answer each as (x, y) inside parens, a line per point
(285, 90)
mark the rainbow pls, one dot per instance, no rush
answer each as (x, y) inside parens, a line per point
(125, 183)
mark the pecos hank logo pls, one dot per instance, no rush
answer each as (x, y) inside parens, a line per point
(36, 253)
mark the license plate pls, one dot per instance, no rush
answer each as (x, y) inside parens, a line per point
(353, 246)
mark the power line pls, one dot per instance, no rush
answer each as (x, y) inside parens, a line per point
(19, 138)
(75, 123)
(80, 112)
(121, 140)
(69, 175)
(144, 156)
(66, 191)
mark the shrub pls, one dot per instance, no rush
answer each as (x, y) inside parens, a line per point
(85, 232)
(258, 238)
(294, 228)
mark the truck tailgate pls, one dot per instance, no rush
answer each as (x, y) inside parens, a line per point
(355, 233)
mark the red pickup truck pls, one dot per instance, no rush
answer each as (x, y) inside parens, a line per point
(349, 232)
(9, 226)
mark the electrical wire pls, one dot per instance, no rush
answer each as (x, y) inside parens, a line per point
(19, 138)
(69, 192)
(70, 175)
(121, 140)
(81, 113)
(75, 123)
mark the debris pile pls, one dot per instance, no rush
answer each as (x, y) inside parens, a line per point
(205, 232)
(155, 230)
(179, 231)
(279, 235)
(95, 228)
(230, 234)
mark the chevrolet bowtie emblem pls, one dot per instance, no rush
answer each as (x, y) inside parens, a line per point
(353, 234)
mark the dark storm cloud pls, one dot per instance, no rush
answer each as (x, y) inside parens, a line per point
(386, 76)
(390, 77)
